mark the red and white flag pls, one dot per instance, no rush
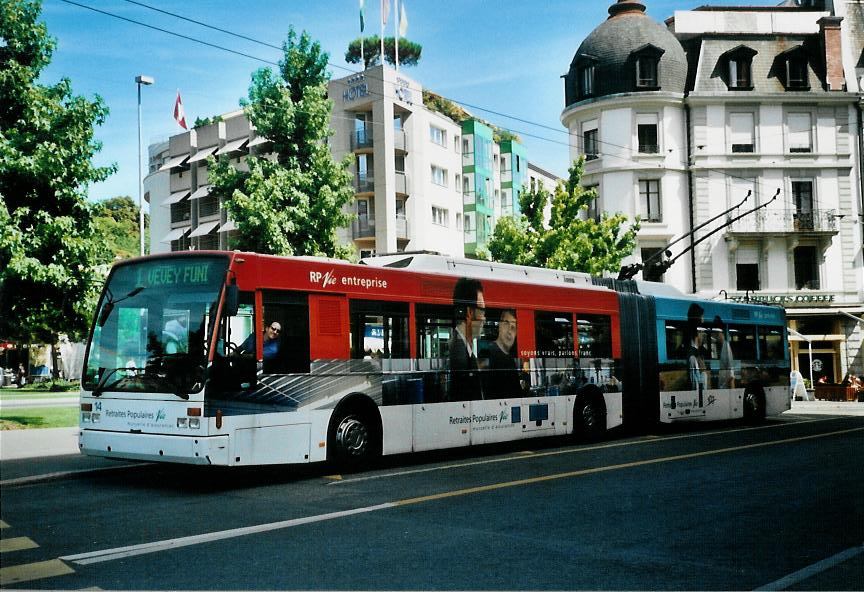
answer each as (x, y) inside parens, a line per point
(179, 114)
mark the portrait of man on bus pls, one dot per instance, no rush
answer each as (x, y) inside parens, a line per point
(726, 373)
(698, 371)
(502, 378)
(469, 309)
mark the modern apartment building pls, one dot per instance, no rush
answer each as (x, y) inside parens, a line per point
(679, 123)
(422, 180)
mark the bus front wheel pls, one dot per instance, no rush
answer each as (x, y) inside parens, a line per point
(354, 440)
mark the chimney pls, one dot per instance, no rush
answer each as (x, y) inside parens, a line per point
(829, 31)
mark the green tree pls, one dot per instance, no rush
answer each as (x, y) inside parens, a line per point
(48, 250)
(116, 222)
(568, 242)
(292, 206)
(409, 51)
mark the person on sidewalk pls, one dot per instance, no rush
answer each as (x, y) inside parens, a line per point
(21, 376)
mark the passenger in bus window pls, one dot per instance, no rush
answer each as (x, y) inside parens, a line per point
(698, 372)
(469, 314)
(271, 342)
(503, 375)
(726, 376)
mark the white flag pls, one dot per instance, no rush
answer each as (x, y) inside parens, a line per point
(403, 20)
(385, 11)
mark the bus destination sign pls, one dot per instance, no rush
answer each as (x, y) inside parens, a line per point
(185, 274)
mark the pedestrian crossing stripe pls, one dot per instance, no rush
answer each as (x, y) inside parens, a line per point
(17, 544)
(3, 524)
(28, 572)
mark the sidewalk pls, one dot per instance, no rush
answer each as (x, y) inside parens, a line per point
(18, 444)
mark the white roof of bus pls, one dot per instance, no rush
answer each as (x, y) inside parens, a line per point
(474, 268)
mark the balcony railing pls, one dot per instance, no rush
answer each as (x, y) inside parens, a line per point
(363, 227)
(401, 227)
(364, 182)
(649, 148)
(470, 198)
(400, 140)
(361, 139)
(402, 183)
(787, 221)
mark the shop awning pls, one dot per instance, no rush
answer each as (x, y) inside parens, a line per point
(258, 141)
(175, 234)
(233, 146)
(203, 153)
(173, 163)
(228, 226)
(202, 191)
(176, 197)
(204, 228)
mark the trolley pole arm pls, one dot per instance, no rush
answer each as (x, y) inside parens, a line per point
(668, 263)
(628, 271)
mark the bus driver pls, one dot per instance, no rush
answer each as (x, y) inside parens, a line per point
(271, 342)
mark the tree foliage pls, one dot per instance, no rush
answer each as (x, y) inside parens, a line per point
(293, 205)
(116, 222)
(409, 51)
(48, 250)
(568, 242)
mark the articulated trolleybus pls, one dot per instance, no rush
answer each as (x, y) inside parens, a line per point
(244, 359)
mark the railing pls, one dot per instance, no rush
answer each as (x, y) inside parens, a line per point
(649, 148)
(180, 212)
(361, 139)
(363, 227)
(475, 236)
(402, 183)
(470, 198)
(400, 140)
(401, 226)
(786, 221)
(364, 182)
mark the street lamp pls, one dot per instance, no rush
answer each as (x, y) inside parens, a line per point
(147, 81)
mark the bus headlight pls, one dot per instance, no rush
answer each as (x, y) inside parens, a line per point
(194, 423)
(95, 417)
(85, 417)
(183, 422)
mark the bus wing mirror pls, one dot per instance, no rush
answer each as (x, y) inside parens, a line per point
(232, 299)
(105, 313)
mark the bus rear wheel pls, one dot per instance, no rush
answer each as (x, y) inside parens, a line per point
(589, 418)
(354, 440)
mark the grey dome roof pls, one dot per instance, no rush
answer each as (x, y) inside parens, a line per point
(612, 48)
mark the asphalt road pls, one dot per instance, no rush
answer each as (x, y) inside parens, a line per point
(719, 507)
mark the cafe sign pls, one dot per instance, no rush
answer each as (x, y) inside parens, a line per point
(787, 299)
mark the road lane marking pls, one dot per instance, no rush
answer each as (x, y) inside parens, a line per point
(3, 525)
(813, 570)
(156, 546)
(17, 544)
(650, 439)
(64, 474)
(629, 465)
(144, 548)
(33, 571)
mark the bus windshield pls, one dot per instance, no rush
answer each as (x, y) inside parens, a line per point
(153, 324)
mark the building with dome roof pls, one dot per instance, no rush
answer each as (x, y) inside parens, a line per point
(679, 122)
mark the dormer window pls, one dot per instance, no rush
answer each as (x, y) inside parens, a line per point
(791, 67)
(739, 63)
(586, 80)
(647, 62)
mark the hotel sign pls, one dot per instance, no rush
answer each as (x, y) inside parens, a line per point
(403, 91)
(357, 88)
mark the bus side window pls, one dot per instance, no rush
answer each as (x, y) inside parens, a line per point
(595, 336)
(555, 347)
(291, 311)
(676, 340)
(379, 330)
(434, 331)
(771, 344)
(234, 367)
(742, 338)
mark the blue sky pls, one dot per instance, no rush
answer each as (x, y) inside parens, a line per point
(505, 56)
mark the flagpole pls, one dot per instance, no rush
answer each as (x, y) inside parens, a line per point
(396, 25)
(383, 19)
(362, 26)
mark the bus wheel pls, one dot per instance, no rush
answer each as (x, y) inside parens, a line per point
(754, 405)
(354, 440)
(589, 418)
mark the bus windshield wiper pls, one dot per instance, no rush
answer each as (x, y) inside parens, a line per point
(102, 385)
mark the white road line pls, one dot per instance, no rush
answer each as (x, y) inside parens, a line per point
(813, 570)
(144, 548)
(535, 454)
(63, 474)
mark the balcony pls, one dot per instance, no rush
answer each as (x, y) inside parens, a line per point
(400, 140)
(364, 183)
(363, 227)
(361, 139)
(472, 198)
(787, 222)
(402, 187)
(401, 227)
